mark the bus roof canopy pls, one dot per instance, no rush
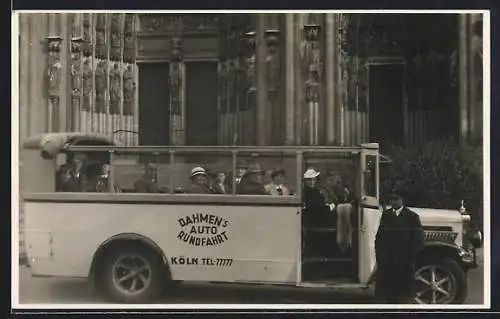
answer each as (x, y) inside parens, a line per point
(51, 143)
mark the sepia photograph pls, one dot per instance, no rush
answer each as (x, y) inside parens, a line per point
(251, 159)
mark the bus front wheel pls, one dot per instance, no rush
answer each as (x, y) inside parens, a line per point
(132, 274)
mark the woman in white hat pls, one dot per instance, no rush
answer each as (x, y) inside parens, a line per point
(314, 201)
(199, 181)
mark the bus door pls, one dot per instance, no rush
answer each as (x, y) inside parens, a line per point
(369, 211)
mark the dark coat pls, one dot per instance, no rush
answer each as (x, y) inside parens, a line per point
(316, 213)
(248, 187)
(145, 185)
(199, 189)
(398, 242)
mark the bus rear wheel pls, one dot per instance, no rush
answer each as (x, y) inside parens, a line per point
(132, 274)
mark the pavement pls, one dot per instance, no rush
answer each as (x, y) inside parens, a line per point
(35, 290)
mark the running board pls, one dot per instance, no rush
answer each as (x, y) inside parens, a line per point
(333, 285)
(309, 260)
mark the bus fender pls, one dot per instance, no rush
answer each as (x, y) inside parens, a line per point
(123, 239)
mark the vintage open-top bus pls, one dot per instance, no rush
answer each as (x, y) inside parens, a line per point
(133, 245)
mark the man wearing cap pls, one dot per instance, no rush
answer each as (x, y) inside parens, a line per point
(399, 240)
(147, 183)
(241, 169)
(251, 182)
(276, 187)
(199, 181)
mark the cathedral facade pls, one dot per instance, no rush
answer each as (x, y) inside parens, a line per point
(252, 79)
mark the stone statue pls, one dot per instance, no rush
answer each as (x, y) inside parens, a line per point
(100, 87)
(115, 90)
(128, 91)
(87, 84)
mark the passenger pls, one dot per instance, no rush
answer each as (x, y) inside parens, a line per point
(66, 181)
(148, 183)
(276, 187)
(241, 169)
(315, 208)
(219, 185)
(102, 180)
(251, 182)
(199, 181)
(78, 180)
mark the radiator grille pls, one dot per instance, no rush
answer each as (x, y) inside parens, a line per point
(446, 236)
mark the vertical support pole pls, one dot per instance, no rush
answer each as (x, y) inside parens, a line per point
(261, 121)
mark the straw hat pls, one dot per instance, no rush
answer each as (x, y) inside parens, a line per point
(311, 173)
(198, 171)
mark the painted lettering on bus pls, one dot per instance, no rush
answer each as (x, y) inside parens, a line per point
(203, 229)
(201, 261)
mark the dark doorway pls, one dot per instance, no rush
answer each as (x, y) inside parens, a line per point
(201, 103)
(386, 105)
(154, 104)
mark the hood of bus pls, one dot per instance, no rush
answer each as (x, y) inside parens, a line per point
(438, 217)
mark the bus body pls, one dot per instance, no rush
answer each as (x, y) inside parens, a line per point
(132, 245)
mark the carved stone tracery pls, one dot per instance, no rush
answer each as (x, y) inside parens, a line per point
(101, 49)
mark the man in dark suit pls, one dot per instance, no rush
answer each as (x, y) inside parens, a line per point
(398, 242)
(148, 183)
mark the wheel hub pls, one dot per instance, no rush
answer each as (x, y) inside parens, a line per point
(435, 285)
(131, 274)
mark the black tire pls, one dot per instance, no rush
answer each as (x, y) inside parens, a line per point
(156, 274)
(451, 268)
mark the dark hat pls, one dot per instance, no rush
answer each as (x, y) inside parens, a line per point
(276, 172)
(254, 168)
(397, 193)
(241, 164)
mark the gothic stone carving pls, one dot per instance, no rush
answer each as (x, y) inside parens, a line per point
(76, 71)
(251, 60)
(100, 87)
(101, 50)
(272, 59)
(176, 50)
(116, 37)
(154, 22)
(87, 84)
(312, 61)
(128, 38)
(115, 96)
(87, 35)
(54, 66)
(129, 89)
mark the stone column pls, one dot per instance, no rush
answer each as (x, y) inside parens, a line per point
(273, 87)
(289, 79)
(313, 63)
(331, 66)
(53, 78)
(260, 56)
(24, 75)
(176, 92)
